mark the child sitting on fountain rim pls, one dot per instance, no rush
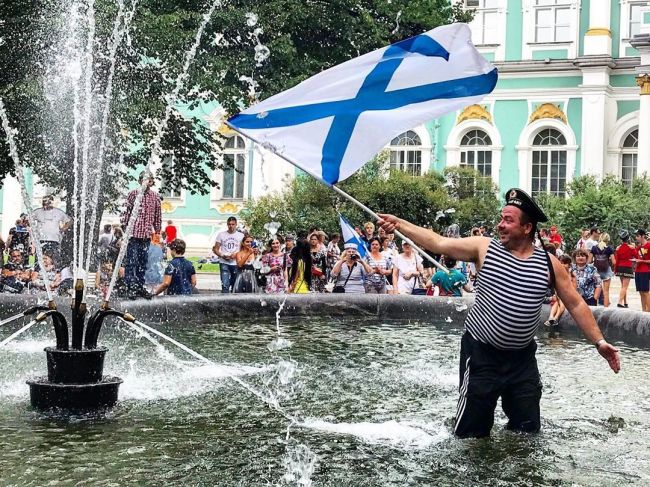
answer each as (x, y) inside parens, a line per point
(180, 276)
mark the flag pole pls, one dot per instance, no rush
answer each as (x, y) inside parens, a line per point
(345, 195)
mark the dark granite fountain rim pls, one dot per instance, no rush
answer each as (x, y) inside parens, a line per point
(617, 324)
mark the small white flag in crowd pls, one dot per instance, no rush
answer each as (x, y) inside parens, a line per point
(351, 237)
(334, 122)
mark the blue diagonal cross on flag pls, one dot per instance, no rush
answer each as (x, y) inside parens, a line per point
(333, 123)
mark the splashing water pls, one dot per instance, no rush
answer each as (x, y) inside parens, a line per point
(116, 38)
(27, 201)
(11, 319)
(299, 464)
(251, 19)
(157, 141)
(15, 335)
(269, 401)
(396, 29)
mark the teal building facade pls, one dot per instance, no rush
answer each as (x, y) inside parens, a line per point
(573, 98)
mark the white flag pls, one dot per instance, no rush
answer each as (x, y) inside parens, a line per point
(333, 123)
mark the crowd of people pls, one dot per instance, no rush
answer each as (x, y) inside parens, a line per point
(316, 262)
(308, 262)
(595, 261)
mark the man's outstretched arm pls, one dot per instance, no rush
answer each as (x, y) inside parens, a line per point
(582, 315)
(469, 249)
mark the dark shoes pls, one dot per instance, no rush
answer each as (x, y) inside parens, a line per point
(139, 293)
(623, 305)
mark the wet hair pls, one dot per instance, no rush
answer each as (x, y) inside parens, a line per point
(178, 246)
(301, 252)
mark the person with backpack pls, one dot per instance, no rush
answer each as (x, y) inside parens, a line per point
(602, 254)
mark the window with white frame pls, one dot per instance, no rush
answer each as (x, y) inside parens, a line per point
(549, 164)
(484, 26)
(406, 153)
(476, 153)
(234, 172)
(634, 20)
(629, 157)
(552, 21)
(169, 190)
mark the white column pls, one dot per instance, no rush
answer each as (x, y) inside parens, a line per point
(596, 107)
(641, 42)
(12, 204)
(598, 39)
(644, 125)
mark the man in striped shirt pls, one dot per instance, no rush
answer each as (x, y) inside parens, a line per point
(497, 357)
(147, 222)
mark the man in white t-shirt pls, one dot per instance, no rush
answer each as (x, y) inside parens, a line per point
(51, 222)
(594, 236)
(225, 247)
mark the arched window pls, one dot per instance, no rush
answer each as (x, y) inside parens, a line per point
(234, 158)
(475, 152)
(406, 153)
(549, 163)
(629, 157)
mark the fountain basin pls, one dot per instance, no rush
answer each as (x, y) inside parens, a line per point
(75, 366)
(74, 397)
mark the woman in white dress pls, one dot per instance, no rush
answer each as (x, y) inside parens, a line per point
(407, 270)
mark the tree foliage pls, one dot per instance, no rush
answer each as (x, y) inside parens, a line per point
(433, 200)
(610, 205)
(303, 38)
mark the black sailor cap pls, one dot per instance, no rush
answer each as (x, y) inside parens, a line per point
(520, 199)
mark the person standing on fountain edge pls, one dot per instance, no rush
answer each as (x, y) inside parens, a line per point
(497, 355)
(149, 221)
(51, 223)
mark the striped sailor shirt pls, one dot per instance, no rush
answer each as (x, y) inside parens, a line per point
(509, 299)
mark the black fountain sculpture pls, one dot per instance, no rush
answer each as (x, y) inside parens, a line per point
(75, 379)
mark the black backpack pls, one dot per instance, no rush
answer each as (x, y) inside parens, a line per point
(601, 259)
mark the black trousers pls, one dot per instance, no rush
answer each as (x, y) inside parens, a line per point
(487, 373)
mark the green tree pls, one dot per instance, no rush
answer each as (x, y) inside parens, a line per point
(303, 37)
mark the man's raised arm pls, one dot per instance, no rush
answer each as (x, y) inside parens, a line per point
(469, 249)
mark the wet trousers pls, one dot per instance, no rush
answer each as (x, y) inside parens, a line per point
(487, 373)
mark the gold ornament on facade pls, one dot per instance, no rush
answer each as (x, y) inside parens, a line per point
(643, 80)
(547, 110)
(167, 207)
(474, 112)
(229, 208)
(599, 31)
(225, 130)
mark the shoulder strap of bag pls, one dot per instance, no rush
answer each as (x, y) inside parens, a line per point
(350, 269)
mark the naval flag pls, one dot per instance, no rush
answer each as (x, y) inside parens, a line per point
(334, 122)
(351, 238)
